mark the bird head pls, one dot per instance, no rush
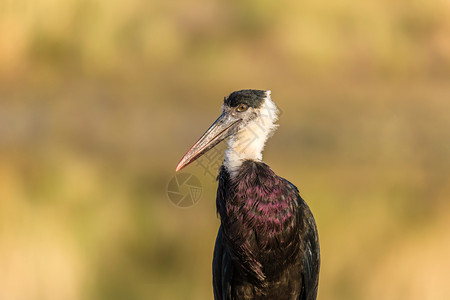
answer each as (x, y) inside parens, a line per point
(241, 110)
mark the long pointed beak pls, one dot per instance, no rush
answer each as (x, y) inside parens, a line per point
(222, 128)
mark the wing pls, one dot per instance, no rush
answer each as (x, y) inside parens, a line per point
(222, 265)
(311, 258)
(222, 270)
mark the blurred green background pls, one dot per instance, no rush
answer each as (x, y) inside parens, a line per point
(100, 99)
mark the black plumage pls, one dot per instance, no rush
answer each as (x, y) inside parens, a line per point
(267, 246)
(253, 98)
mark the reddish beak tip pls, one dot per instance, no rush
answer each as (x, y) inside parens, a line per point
(180, 165)
(217, 132)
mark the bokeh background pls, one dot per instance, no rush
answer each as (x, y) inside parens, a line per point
(100, 99)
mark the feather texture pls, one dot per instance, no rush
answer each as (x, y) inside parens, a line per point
(267, 246)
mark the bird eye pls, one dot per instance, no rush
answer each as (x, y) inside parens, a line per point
(242, 107)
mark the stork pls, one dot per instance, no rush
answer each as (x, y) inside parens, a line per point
(267, 246)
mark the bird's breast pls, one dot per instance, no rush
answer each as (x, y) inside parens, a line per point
(259, 215)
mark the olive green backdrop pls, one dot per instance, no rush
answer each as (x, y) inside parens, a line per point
(100, 99)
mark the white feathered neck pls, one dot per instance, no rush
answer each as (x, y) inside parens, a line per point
(248, 143)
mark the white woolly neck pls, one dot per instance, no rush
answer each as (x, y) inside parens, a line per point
(248, 143)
